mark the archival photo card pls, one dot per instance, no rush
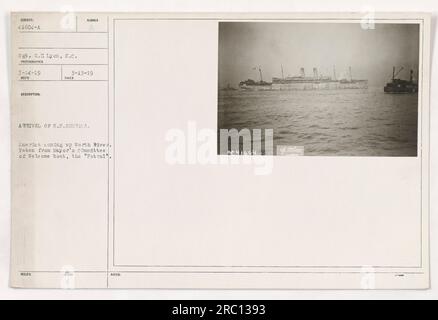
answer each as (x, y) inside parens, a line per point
(124, 128)
(318, 89)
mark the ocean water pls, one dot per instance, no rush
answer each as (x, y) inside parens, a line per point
(353, 122)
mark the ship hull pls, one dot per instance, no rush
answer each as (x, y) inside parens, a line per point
(395, 89)
(319, 85)
(255, 87)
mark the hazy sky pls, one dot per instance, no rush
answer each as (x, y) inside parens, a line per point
(370, 53)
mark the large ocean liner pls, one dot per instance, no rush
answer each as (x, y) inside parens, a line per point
(303, 82)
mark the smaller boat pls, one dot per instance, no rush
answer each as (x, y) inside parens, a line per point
(255, 85)
(228, 88)
(401, 86)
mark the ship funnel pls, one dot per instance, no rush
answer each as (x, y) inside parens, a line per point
(302, 73)
(261, 75)
(315, 73)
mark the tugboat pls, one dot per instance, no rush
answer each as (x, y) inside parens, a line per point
(401, 86)
(255, 85)
(228, 88)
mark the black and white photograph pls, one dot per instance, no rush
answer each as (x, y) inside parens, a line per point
(319, 88)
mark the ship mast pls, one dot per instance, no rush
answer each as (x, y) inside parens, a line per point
(334, 72)
(351, 75)
(398, 72)
(395, 74)
(261, 77)
(282, 75)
